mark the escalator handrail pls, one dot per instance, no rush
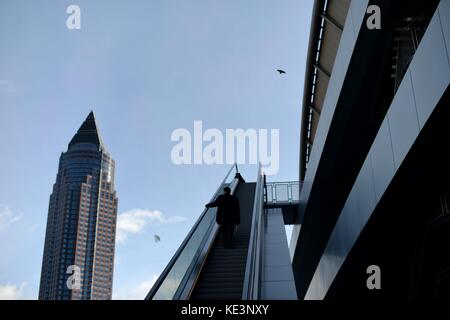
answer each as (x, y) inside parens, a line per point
(172, 261)
(253, 268)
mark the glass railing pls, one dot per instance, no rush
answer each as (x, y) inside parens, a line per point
(282, 192)
(172, 281)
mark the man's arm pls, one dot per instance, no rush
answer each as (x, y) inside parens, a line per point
(214, 203)
(211, 204)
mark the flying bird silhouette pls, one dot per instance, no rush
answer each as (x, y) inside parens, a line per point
(281, 71)
(157, 238)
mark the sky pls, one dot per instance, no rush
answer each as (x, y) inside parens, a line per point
(146, 68)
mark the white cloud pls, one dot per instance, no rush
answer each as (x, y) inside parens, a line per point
(7, 218)
(140, 291)
(6, 86)
(12, 292)
(135, 220)
(143, 288)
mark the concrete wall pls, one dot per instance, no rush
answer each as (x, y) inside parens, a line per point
(278, 279)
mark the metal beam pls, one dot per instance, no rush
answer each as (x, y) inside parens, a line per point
(332, 21)
(313, 108)
(322, 69)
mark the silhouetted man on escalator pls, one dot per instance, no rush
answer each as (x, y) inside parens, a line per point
(228, 215)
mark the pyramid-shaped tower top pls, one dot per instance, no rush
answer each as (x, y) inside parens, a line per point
(88, 133)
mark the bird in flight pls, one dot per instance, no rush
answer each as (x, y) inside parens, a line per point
(157, 238)
(281, 71)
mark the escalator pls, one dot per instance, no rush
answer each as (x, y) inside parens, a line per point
(222, 276)
(202, 269)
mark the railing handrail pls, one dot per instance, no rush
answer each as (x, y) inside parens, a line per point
(283, 182)
(172, 261)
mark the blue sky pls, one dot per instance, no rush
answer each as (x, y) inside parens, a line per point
(146, 68)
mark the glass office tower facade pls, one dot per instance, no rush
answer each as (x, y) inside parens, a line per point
(81, 225)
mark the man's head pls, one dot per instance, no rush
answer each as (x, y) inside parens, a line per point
(227, 190)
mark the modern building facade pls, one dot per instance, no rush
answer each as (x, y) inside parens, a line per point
(374, 152)
(81, 223)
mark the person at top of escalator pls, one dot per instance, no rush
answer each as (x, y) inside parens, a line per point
(228, 215)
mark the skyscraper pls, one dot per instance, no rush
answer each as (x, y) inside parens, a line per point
(78, 256)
